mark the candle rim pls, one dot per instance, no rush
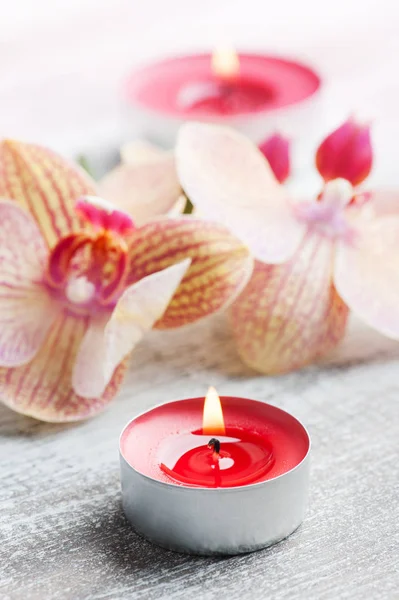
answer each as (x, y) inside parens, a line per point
(219, 489)
(302, 63)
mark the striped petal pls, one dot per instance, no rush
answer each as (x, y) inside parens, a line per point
(290, 315)
(144, 189)
(228, 179)
(220, 267)
(45, 185)
(366, 274)
(105, 345)
(43, 388)
(26, 309)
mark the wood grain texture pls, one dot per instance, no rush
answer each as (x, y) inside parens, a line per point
(63, 533)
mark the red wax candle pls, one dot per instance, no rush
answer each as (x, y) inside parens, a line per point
(188, 87)
(183, 444)
(243, 458)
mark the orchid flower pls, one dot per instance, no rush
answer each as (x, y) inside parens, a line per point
(145, 184)
(314, 259)
(80, 284)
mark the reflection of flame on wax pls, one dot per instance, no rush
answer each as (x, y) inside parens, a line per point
(213, 422)
(225, 63)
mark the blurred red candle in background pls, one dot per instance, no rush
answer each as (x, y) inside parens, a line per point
(223, 84)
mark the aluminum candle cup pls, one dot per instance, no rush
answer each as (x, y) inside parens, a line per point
(214, 520)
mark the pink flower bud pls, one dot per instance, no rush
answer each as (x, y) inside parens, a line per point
(276, 150)
(346, 153)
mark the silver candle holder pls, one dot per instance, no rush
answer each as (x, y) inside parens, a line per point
(217, 521)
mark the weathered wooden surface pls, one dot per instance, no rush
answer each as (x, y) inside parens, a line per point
(64, 536)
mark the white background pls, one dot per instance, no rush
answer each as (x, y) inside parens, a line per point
(62, 63)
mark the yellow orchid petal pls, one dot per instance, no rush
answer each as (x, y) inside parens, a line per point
(43, 388)
(366, 273)
(289, 315)
(45, 185)
(145, 189)
(228, 179)
(105, 345)
(26, 308)
(220, 267)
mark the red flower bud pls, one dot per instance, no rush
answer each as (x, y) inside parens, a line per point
(346, 153)
(276, 150)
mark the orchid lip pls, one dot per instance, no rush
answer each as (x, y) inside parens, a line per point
(325, 219)
(87, 269)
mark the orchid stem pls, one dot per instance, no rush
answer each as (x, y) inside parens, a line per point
(189, 208)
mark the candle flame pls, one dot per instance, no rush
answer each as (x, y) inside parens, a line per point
(225, 63)
(213, 422)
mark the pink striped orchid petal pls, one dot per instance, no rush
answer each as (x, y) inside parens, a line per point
(45, 185)
(289, 315)
(43, 388)
(220, 265)
(366, 273)
(145, 189)
(105, 345)
(228, 179)
(26, 308)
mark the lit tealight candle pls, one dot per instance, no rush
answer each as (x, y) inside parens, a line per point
(225, 63)
(201, 479)
(258, 94)
(227, 90)
(235, 457)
